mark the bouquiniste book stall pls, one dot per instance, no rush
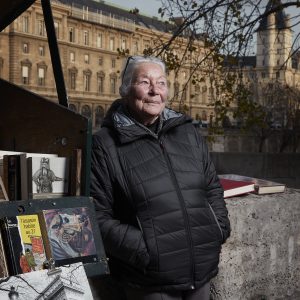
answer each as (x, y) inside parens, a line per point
(48, 225)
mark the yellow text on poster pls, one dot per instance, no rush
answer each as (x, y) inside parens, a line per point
(29, 226)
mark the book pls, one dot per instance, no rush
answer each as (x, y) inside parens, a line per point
(68, 235)
(23, 244)
(24, 171)
(47, 177)
(3, 193)
(12, 176)
(3, 260)
(261, 186)
(68, 282)
(76, 168)
(234, 188)
(2, 154)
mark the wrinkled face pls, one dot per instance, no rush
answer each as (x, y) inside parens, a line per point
(148, 94)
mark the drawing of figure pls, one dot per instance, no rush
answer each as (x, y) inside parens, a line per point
(44, 177)
(30, 259)
(24, 264)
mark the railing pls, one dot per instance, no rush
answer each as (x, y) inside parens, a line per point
(98, 17)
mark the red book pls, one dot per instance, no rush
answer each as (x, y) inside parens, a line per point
(234, 187)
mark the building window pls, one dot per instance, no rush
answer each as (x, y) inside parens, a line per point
(41, 27)
(113, 84)
(210, 93)
(72, 78)
(278, 62)
(100, 82)
(204, 94)
(99, 40)
(86, 111)
(123, 43)
(146, 44)
(176, 89)
(72, 107)
(25, 24)
(86, 58)
(277, 75)
(41, 76)
(56, 27)
(72, 57)
(99, 115)
(25, 48)
(204, 115)
(113, 63)
(183, 93)
(100, 61)
(72, 35)
(86, 37)
(41, 50)
(1, 66)
(112, 43)
(135, 47)
(25, 74)
(87, 81)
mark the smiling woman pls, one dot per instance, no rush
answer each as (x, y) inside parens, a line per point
(148, 92)
(158, 199)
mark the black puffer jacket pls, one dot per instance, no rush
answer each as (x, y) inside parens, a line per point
(159, 202)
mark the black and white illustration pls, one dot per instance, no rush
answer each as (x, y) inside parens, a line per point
(50, 175)
(67, 282)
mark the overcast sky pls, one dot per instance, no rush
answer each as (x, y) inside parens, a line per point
(146, 7)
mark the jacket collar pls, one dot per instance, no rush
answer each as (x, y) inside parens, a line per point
(129, 129)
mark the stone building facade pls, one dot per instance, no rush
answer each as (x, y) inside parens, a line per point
(89, 35)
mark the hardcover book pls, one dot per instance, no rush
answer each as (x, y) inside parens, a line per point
(68, 235)
(261, 186)
(235, 188)
(3, 260)
(48, 177)
(3, 193)
(76, 167)
(23, 244)
(2, 154)
(12, 176)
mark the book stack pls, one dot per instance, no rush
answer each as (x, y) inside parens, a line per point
(234, 185)
(26, 176)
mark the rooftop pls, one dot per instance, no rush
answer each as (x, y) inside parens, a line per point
(118, 13)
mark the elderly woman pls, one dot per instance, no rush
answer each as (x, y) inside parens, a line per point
(159, 202)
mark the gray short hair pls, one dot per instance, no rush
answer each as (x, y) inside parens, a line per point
(129, 66)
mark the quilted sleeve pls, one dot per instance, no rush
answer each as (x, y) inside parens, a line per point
(214, 191)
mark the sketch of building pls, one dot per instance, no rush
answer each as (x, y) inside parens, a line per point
(67, 282)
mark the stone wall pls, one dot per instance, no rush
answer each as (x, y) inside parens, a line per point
(235, 141)
(261, 259)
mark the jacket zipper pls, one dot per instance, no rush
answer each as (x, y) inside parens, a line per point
(217, 221)
(181, 200)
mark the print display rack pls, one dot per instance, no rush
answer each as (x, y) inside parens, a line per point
(31, 123)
